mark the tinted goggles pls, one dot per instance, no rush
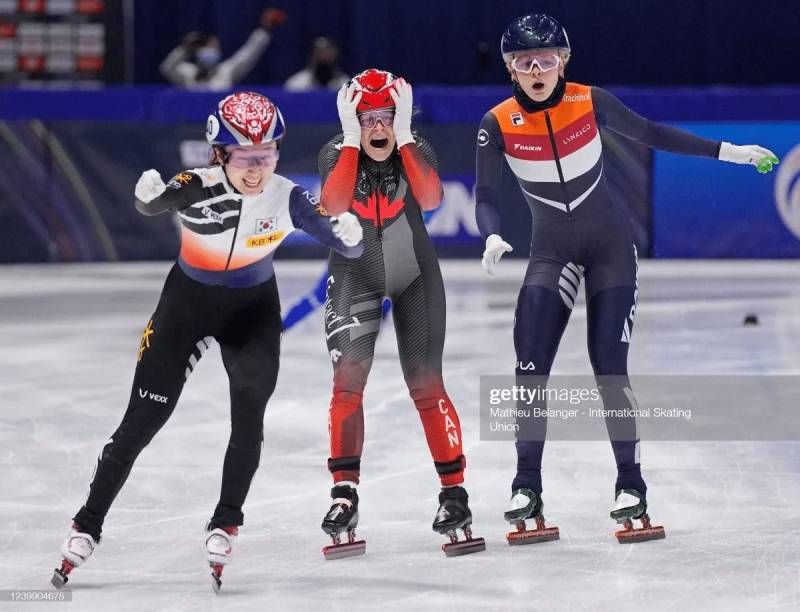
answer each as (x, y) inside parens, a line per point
(263, 158)
(370, 119)
(546, 62)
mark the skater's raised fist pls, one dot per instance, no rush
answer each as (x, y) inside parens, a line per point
(271, 18)
(149, 186)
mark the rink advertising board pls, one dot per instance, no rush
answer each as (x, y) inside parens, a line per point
(74, 185)
(73, 182)
(704, 208)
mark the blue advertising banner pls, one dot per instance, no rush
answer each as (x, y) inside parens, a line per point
(704, 208)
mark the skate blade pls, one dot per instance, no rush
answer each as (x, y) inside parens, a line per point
(58, 580)
(216, 577)
(340, 551)
(60, 574)
(631, 536)
(533, 536)
(465, 547)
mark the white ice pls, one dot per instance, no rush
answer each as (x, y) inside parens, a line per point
(69, 340)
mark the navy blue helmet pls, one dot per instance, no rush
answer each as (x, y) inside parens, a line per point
(537, 31)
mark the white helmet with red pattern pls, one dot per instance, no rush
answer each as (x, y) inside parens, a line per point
(245, 118)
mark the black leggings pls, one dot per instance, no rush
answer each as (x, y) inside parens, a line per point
(247, 324)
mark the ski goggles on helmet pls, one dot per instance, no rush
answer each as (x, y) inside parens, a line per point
(259, 158)
(370, 119)
(545, 61)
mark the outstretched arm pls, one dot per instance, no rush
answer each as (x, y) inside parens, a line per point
(614, 115)
(236, 67)
(176, 69)
(304, 209)
(154, 197)
(242, 62)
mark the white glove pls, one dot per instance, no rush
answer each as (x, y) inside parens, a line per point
(347, 228)
(149, 186)
(346, 101)
(496, 247)
(403, 99)
(761, 158)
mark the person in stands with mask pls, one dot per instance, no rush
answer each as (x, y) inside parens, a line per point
(548, 134)
(322, 72)
(197, 62)
(387, 176)
(234, 214)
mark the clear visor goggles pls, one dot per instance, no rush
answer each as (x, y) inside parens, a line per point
(544, 61)
(370, 119)
(259, 158)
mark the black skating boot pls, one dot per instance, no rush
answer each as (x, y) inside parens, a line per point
(630, 505)
(343, 517)
(527, 504)
(454, 514)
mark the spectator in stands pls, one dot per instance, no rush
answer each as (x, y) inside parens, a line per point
(322, 71)
(197, 62)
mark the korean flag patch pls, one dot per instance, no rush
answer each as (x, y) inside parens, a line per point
(265, 226)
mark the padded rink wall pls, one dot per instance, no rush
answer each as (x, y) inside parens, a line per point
(71, 159)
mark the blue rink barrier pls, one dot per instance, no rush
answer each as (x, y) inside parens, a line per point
(704, 208)
(466, 104)
(71, 158)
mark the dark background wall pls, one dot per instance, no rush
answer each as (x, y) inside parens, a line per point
(643, 42)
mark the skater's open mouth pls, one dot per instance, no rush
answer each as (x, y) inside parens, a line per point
(379, 143)
(251, 183)
(538, 86)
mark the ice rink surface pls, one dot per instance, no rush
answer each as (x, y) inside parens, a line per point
(69, 340)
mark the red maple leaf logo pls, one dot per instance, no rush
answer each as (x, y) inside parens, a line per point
(378, 207)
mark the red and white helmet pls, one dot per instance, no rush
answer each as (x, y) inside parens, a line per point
(375, 86)
(245, 118)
